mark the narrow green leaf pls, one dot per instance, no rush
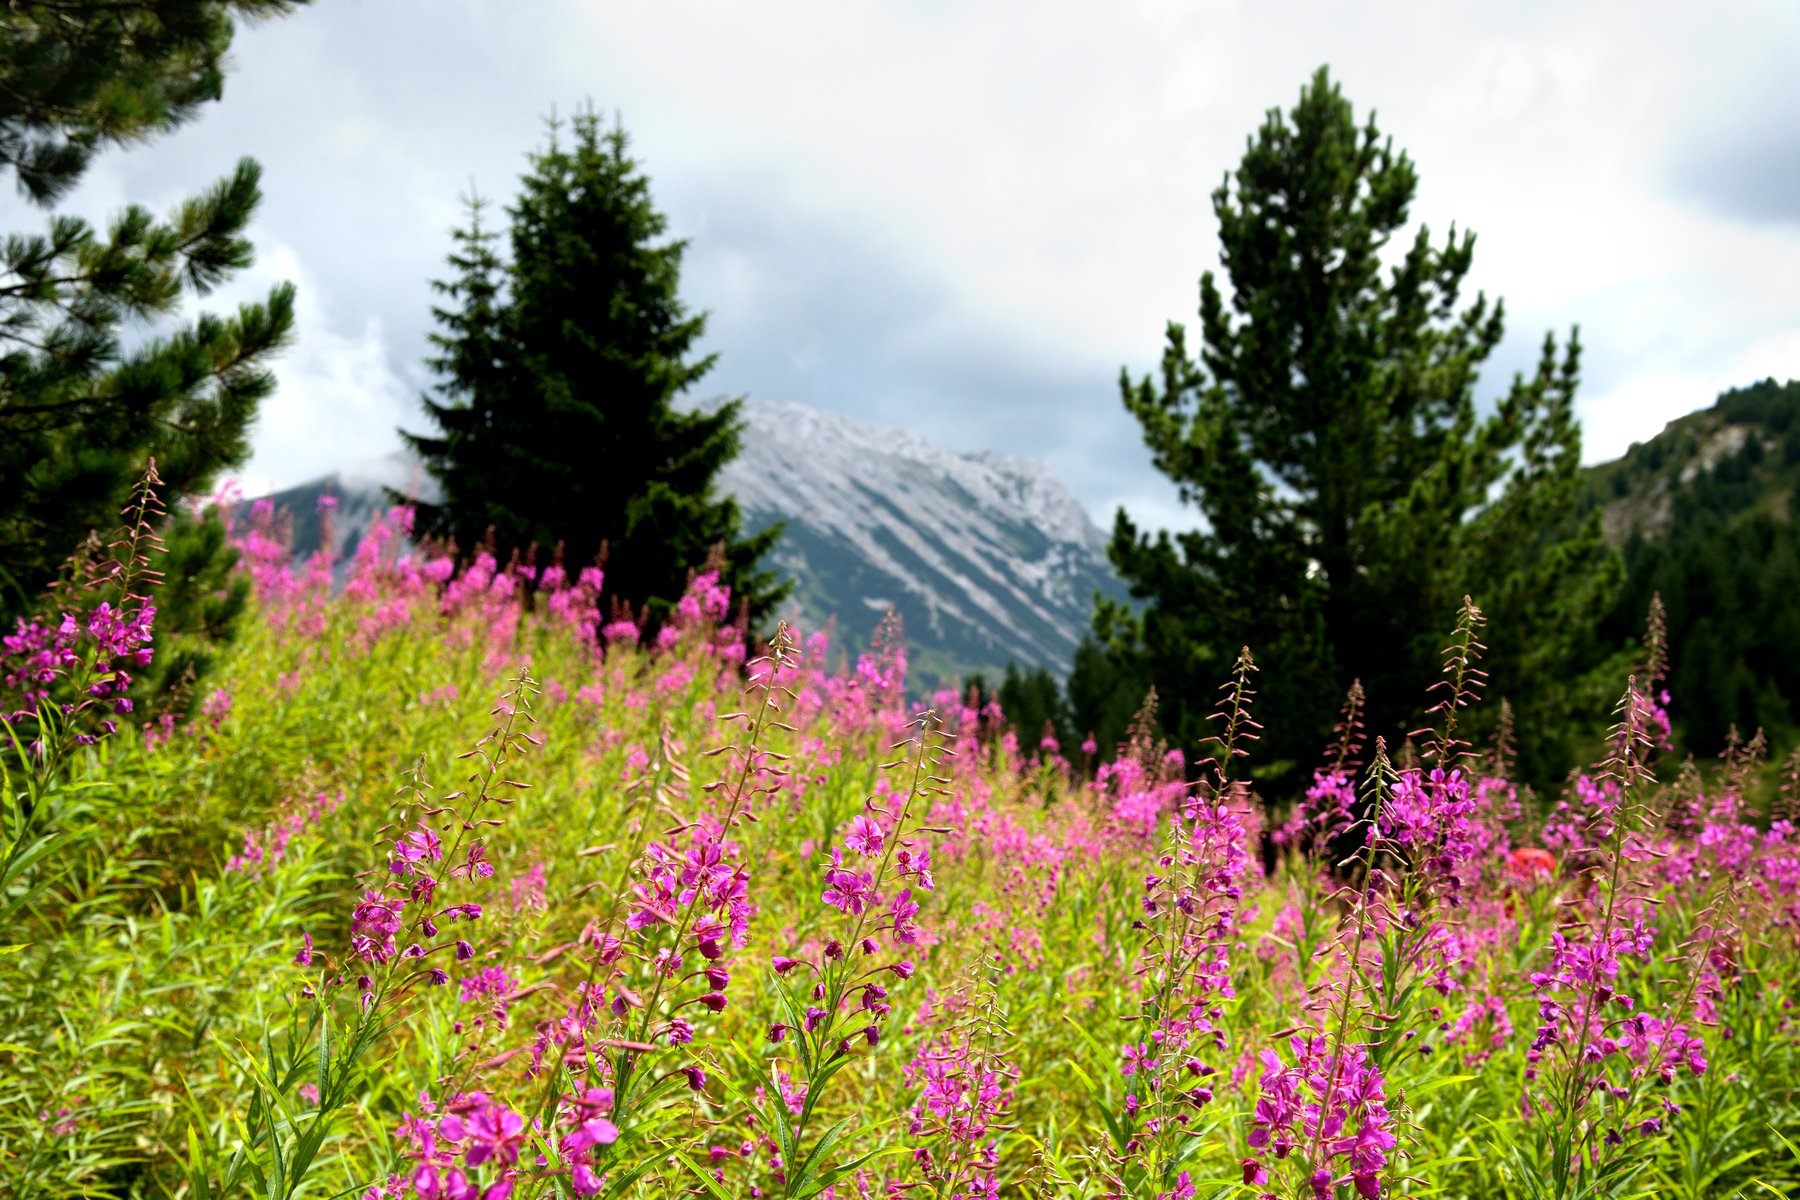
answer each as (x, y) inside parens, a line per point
(704, 1178)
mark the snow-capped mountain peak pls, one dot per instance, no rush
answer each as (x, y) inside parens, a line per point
(987, 556)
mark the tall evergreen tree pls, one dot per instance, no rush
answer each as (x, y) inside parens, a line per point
(471, 363)
(1328, 434)
(79, 412)
(556, 422)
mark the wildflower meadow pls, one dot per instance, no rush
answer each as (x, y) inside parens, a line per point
(450, 884)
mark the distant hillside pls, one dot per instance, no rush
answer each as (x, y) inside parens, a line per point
(987, 558)
(1740, 456)
(1704, 516)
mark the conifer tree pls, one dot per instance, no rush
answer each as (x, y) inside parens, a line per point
(559, 368)
(1329, 435)
(80, 413)
(1104, 697)
(471, 363)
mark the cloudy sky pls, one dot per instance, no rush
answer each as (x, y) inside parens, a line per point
(964, 216)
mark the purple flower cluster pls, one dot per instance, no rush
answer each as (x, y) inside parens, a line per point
(95, 652)
(586, 1122)
(1191, 905)
(1583, 1013)
(1427, 818)
(1327, 812)
(378, 921)
(686, 902)
(474, 1136)
(965, 1092)
(268, 845)
(1326, 1113)
(856, 886)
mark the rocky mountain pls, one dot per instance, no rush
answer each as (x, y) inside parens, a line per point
(1704, 516)
(1740, 456)
(986, 557)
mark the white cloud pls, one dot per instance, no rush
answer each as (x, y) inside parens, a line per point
(338, 398)
(1638, 409)
(877, 191)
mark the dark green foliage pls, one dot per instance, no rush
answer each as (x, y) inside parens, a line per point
(1704, 515)
(555, 425)
(80, 414)
(1734, 627)
(1352, 491)
(1034, 706)
(1774, 406)
(78, 75)
(1104, 696)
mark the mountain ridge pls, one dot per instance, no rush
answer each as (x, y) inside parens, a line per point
(986, 556)
(1739, 455)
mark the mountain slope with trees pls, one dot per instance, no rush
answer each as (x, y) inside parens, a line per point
(1703, 515)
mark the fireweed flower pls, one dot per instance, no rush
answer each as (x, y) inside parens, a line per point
(1189, 911)
(1597, 1058)
(1142, 793)
(267, 845)
(687, 906)
(474, 1137)
(864, 836)
(399, 927)
(1326, 812)
(1324, 1119)
(834, 998)
(965, 1087)
(1426, 818)
(848, 890)
(78, 668)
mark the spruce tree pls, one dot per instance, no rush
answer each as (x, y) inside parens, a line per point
(80, 413)
(471, 363)
(559, 368)
(1329, 435)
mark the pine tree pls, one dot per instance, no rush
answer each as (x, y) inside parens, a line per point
(80, 414)
(79, 75)
(559, 368)
(1329, 435)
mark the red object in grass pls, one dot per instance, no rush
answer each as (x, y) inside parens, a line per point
(1530, 864)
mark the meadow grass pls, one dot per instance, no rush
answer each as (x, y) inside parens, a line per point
(452, 887)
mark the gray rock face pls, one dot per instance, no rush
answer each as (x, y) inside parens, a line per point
(987, 558)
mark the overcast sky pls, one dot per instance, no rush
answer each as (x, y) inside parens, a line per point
(964, 216)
